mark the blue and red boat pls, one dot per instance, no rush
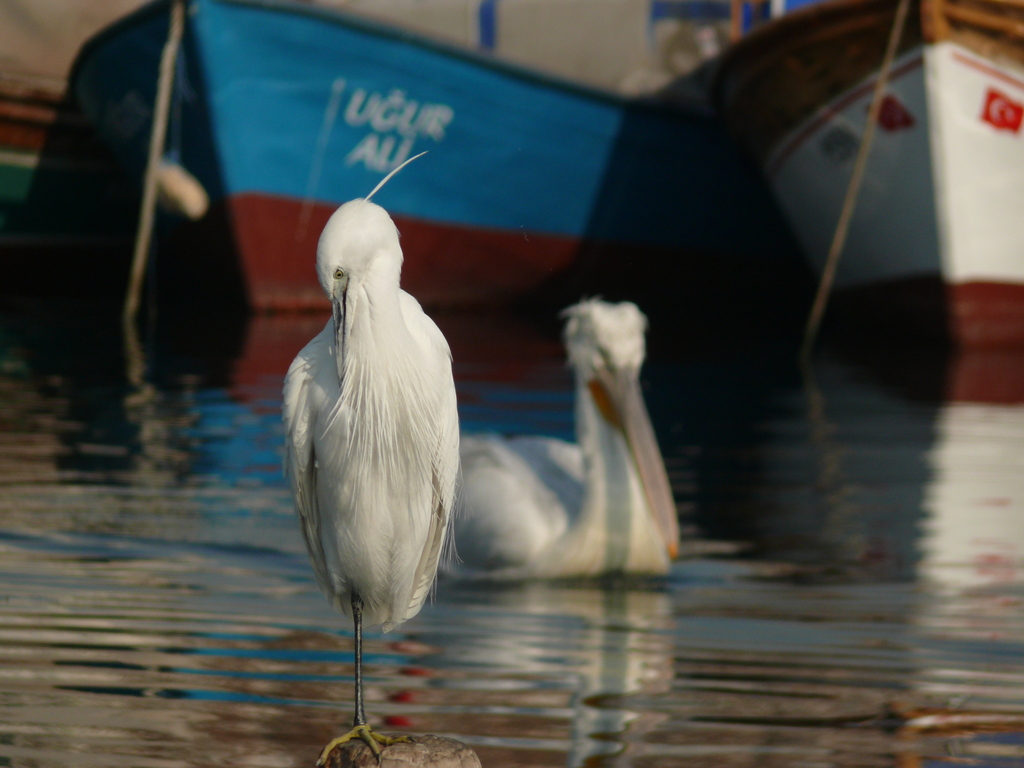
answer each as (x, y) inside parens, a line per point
(284, 110)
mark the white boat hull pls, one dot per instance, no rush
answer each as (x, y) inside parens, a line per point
(943, 190)
(978, 159)
(809, 172)
(938, 224)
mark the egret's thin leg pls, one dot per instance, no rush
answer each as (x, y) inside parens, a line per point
(360, 730)
(357, 619)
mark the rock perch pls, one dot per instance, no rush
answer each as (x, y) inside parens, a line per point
(422, 752)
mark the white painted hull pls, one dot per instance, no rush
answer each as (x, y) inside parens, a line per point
(810, 169)
(977, 144)
(943, 191)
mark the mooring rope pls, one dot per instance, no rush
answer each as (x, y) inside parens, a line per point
(134, 359)
(849, 202)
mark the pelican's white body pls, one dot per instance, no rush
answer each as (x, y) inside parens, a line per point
(372, 429)
(545, 508)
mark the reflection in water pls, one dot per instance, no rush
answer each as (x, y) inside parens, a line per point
(973, 535)
(157, 608)
(857, 479)
(588, 643)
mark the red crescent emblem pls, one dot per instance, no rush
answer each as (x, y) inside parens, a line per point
(1002, 112)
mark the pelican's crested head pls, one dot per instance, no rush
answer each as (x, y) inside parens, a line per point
(600, 335)
(359, 239)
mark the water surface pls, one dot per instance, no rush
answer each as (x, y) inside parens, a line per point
(851, 592)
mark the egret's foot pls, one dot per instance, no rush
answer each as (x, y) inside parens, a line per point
(369, 736)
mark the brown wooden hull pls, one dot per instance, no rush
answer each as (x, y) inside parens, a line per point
(993, 29)
(783, 72)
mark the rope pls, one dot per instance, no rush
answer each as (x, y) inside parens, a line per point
(133, 350)
(839, 239)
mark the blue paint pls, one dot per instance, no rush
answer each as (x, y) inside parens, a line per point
(509, 150)
(689, 10)
(753, 16)
(792, 5)
(487, 16)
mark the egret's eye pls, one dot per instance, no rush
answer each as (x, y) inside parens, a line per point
(339, 273)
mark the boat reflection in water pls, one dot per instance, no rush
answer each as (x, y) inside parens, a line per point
(973, 535)
(159, 607)
(900, 468)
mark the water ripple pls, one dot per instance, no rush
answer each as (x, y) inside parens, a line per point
(157, 608)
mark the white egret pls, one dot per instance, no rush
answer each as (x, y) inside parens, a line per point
(544, 508)
(372, 436)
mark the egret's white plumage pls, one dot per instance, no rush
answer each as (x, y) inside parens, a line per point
(371, 423)
(540, 507)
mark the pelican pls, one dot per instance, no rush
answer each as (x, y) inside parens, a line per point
(544, 508)
(372, 437)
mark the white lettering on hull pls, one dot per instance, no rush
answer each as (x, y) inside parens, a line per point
(396, 122)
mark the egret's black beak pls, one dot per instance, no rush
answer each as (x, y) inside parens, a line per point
(339, 307)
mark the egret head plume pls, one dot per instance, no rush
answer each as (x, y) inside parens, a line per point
(396, 170)
(355, 234)
(358, 253)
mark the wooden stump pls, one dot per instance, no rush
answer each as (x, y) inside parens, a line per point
(421, 752)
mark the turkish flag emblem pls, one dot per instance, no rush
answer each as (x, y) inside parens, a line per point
(1002, 112)
(892, 115)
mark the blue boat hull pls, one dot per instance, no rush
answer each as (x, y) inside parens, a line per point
(284, 111)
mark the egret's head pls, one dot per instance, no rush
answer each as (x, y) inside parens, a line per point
(359, 238)
(358, 248)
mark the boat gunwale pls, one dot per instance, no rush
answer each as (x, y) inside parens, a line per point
(739, 86)
(650, 103)
(763, 37)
